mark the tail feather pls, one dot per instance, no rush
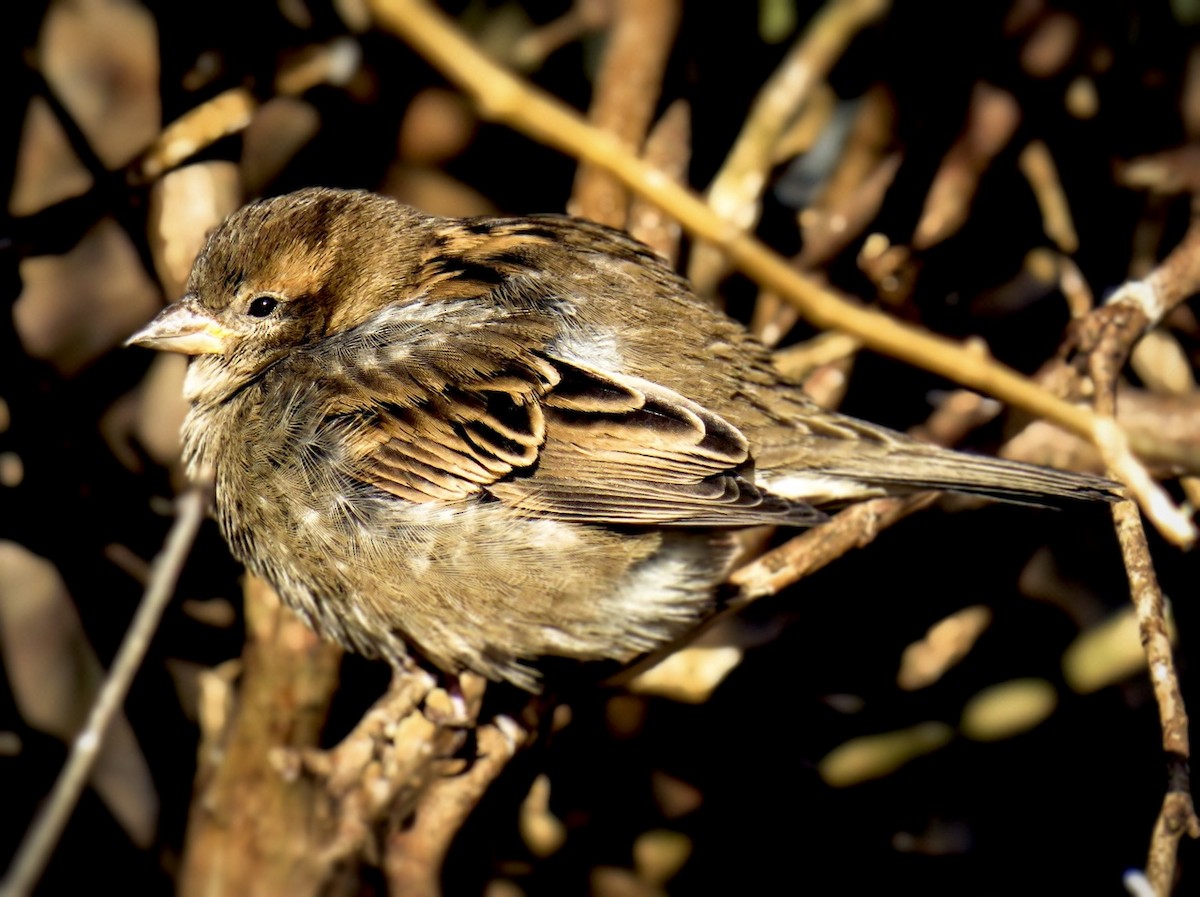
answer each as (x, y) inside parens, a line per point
(830, 471)
(998, 478)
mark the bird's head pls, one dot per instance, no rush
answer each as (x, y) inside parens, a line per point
(279, 275)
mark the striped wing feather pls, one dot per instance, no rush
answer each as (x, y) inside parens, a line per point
(581, 445)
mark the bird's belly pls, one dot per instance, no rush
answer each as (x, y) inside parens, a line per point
(474, 585)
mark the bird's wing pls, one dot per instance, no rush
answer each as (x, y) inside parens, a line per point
(498, 418)
(627, 451)
(436, 413)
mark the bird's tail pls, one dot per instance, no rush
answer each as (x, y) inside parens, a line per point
(842, 460)
(1013, 481)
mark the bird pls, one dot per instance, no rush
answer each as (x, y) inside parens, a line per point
(482, 442)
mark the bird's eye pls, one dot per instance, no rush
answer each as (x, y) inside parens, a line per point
(261, 306)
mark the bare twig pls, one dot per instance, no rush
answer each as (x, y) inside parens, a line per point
(773, 317)
(801, 359)
(813, 549)
(35, 850)
(393, 768)
(1170, 419)
(626, 92)
(812, 121)
(668, 148)
(1189, 105)
(1050, 46)
(1039, 169)
(854, 193)
(956, 416)
(842, 208)
(1075, 289)
(1153, 298)
(1163, 366)
(1173, 281)
(203, 126)
(1176, 818)
(992, 120)
(1165, 173)
(829, 230)
(1108, 336)
(892, 268)
(1178, 814)
(231, 112)
(735, 192)
(583, 17)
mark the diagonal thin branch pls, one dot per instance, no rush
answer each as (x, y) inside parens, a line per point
(43, 835)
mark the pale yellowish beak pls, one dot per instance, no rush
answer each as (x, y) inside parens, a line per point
(183, 328)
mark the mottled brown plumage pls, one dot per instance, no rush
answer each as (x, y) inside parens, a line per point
(496, 439)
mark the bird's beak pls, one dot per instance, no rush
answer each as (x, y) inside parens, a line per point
(184, 328)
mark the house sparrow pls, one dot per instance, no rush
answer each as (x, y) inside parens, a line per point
(490, 440)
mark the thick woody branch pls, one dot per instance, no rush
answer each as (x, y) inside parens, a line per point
(275, 815)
